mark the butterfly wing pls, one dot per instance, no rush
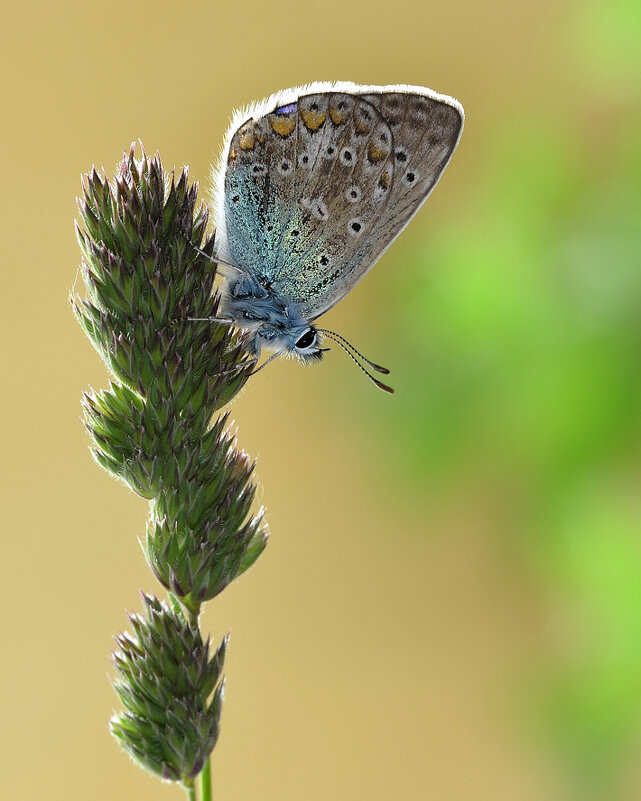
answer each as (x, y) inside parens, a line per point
(314, 186)
(426, 128)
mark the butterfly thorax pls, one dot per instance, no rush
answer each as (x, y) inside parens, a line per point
(272, 322)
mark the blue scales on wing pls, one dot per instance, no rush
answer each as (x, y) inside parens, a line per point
(317, 189)
(303, 187)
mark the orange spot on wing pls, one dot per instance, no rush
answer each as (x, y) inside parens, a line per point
(246, 141)
(336, 116)
(375, 153)
(281, 124)
(313, 119)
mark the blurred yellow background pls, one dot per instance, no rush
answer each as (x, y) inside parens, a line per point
(450, 605)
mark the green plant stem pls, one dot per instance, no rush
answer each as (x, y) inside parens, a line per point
(191, 791)
(205, 781)
(193, 616)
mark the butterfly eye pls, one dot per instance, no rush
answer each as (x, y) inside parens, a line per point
(308, 339)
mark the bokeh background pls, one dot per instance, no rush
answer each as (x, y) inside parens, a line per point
(450, 605)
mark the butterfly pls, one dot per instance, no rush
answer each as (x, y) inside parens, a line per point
(312, 186)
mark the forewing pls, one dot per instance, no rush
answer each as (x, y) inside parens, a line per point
(425, 131)
(257, 198)
(317, 185)
(345, 166)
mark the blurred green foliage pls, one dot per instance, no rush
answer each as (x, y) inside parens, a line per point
(521, 331)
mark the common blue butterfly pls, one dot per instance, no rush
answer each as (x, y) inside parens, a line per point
(313, 185)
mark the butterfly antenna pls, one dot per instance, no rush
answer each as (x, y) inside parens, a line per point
(343, 343)
(346, 344)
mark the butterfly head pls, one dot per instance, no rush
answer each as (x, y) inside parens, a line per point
(306, 347)
(302, 342)
(299, 341)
